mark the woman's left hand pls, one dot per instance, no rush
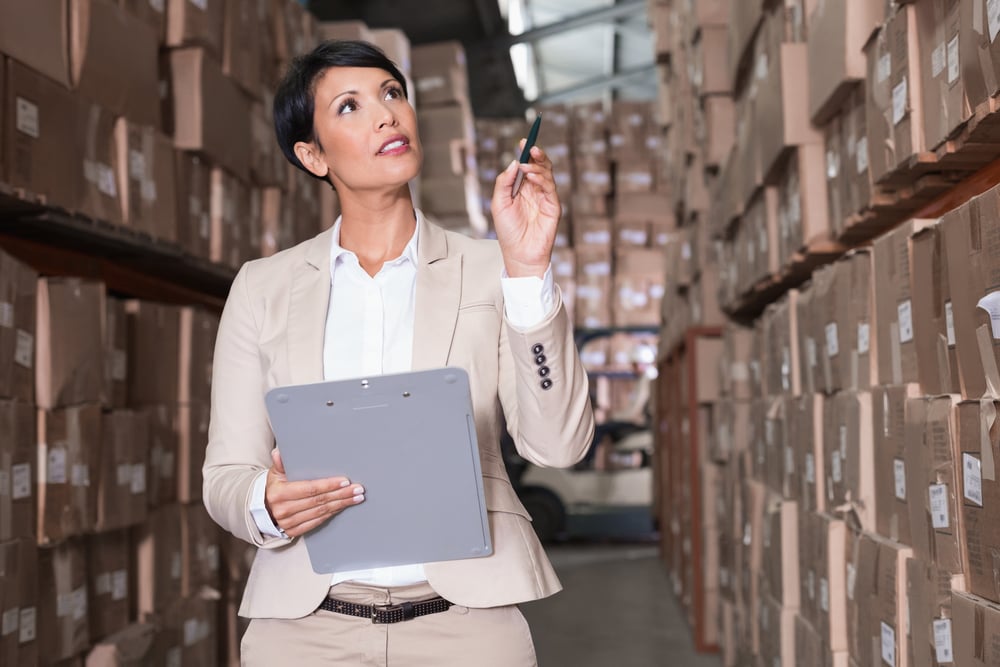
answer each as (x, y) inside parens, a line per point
(526, 224)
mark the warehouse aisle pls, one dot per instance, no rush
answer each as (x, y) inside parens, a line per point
(616, 609)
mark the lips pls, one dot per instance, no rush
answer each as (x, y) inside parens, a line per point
(394, 145)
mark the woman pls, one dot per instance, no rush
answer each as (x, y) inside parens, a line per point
(385, 291)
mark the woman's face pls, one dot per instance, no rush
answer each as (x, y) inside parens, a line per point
(367, 129)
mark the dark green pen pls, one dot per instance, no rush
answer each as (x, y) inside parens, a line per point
(526, 154)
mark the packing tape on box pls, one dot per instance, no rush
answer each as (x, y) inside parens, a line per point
(987, 419)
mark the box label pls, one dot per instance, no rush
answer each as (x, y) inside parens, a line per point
(20, 481)
(899, 473)
(972, 479)
(861, 157)
(953, 63)
(899, 99)
(905, 311)
(939, 505)
(789, 461)
(102, 583)
(119, 584)
(852, 576)
(938, 60)
(56, 473)
(883, 68)
(175, 565)
(991, 304)
(200, 4)
(79, 601)
(810, 469)
(949, 321)
(811, 351)
(811, 584)
(27, 623)
(6, 315)
(832, 164)
(124, 474)
(24, 349)
(138, 481)
(835, 472)
(824, 595)
(136, 165)
(832, 341)
(80, 474)
(864, 338)
(942, 640)
(157, 5)
(10, 620)
(993, 17)
(888, 644)
(26, 118)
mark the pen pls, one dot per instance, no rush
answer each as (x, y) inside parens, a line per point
(526, 154)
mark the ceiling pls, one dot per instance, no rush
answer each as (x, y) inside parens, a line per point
(565, 50)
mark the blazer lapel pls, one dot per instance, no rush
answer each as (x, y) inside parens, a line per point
(438, 294)
(310, 299)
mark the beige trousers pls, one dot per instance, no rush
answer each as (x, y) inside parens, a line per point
(459, 637)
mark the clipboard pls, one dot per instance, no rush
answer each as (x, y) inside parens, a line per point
(410, 440)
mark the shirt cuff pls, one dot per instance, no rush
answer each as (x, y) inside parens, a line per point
(258, 509)
(528, 301)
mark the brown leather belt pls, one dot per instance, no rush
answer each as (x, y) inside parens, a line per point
(387, 613)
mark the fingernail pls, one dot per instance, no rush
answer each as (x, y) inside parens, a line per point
(345, 483)
(358, 499)
(512, 165)
(359, 490)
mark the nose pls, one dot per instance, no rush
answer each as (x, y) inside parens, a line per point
(387, 118)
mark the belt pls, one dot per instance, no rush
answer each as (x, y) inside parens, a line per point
(387, 613)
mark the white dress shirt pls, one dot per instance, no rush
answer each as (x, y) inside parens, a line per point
(369, 331)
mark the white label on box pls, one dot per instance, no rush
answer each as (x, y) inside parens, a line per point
(991, 304)
(102, 583)
(27, 623)
(200, 4)
(56, 473)
(24, 349)
(832, 340)
(136, 165)
(119, 365)
(835, 472)
(811, 584)
(899, 473)
(26, 118)
(175, 565)
(205, 227)
(942, 640)
(949, 322)
(864, 337)
(124, 474)
(810, 469)
(939, 505)
(861, 157)
(10, 621)
(953, 63)
(64, 604)
(6, 315)
(811, 351)
(905, 311)
(993, 17)
(938, 60)
(832, 164)
(852, 577)
(119, 584)
(786, 369)
(80, 474)
(686, 251)
(883, 68)
(212, 557)
(597, 269)
(79, 603)
(972, 479)
(888, 644)
(899, 99)
(20, 481)
(600, 237)
(843, 442)
(190, 631)
(157, 5)
(789, 461)
(138, 482)
(824, 595)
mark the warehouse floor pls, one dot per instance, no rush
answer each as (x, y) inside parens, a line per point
(616, 608)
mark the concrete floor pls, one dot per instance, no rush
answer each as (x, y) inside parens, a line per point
(616, 609)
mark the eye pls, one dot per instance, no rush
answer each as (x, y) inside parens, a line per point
(394, 93)
(347, 106)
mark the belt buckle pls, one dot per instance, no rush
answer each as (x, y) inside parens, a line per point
(375, 610)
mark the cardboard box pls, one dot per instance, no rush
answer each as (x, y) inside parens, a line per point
(822, 570)
(19, 602)
(838, 32)
(196, 24)
(777, 633)
(114, 60)
(147, 180)
(187, 633)
(894, 98)
(154, 354)
(396, 46)
(880, 595)
(197, 332)
(98, 169)
(339, 30)
(593, 287)
(976, 630)
(979, 56)
(850, 456)
(781, 552)
(757, 238)
(895, 323)
(109, 596)
(709, 61)
(895, 481)
(115, 392)
(752, 505)
(162, 477)
(24, 29)
(200, 538)
(69, 449)
(837, 172)
(153, 13)
(804, 415)
(638, 287)
(120, 478)
(69, 368)
(932, 451)
(856, 153)
(18, 297)
(439, 73)
(933, 322)
(811, 380)
(781, 336)
(63, 620)
(841, 324)
(194, 196)
(720, 128)
(744, 17)
(268, 166)
(129, 646)
(230, 203)
(731, 426)
(211, 114)
(734, 368)
(802, 217)
(635, 173)
(192, 425)
(929, 592)
(240, 45)
(17, 468)
(158, 560)
(941, 84)
(41, 144)
(980, 493)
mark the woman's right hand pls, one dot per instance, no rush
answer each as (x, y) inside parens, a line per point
(298, 507)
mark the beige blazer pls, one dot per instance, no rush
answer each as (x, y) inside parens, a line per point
(272, 333)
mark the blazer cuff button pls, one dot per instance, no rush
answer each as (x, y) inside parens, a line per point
(546, 383)
(543, 371)
(537, 348)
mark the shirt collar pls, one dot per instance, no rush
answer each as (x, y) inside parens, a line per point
(337, 251)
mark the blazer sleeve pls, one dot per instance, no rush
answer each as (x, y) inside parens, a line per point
(548, 413)
(239, 434)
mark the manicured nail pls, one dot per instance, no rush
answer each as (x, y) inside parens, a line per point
(345, 483)
(359, 499)
(359, 490)
(512, 165)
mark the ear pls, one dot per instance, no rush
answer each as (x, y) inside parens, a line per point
(311, 158)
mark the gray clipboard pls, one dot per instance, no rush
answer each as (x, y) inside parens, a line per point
(410, 440)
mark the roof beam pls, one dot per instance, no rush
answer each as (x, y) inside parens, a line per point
(603, 15)
(609, 81)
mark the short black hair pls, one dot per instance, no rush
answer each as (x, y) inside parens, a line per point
(294, 101)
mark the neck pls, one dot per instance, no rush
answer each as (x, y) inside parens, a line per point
(376, 227)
